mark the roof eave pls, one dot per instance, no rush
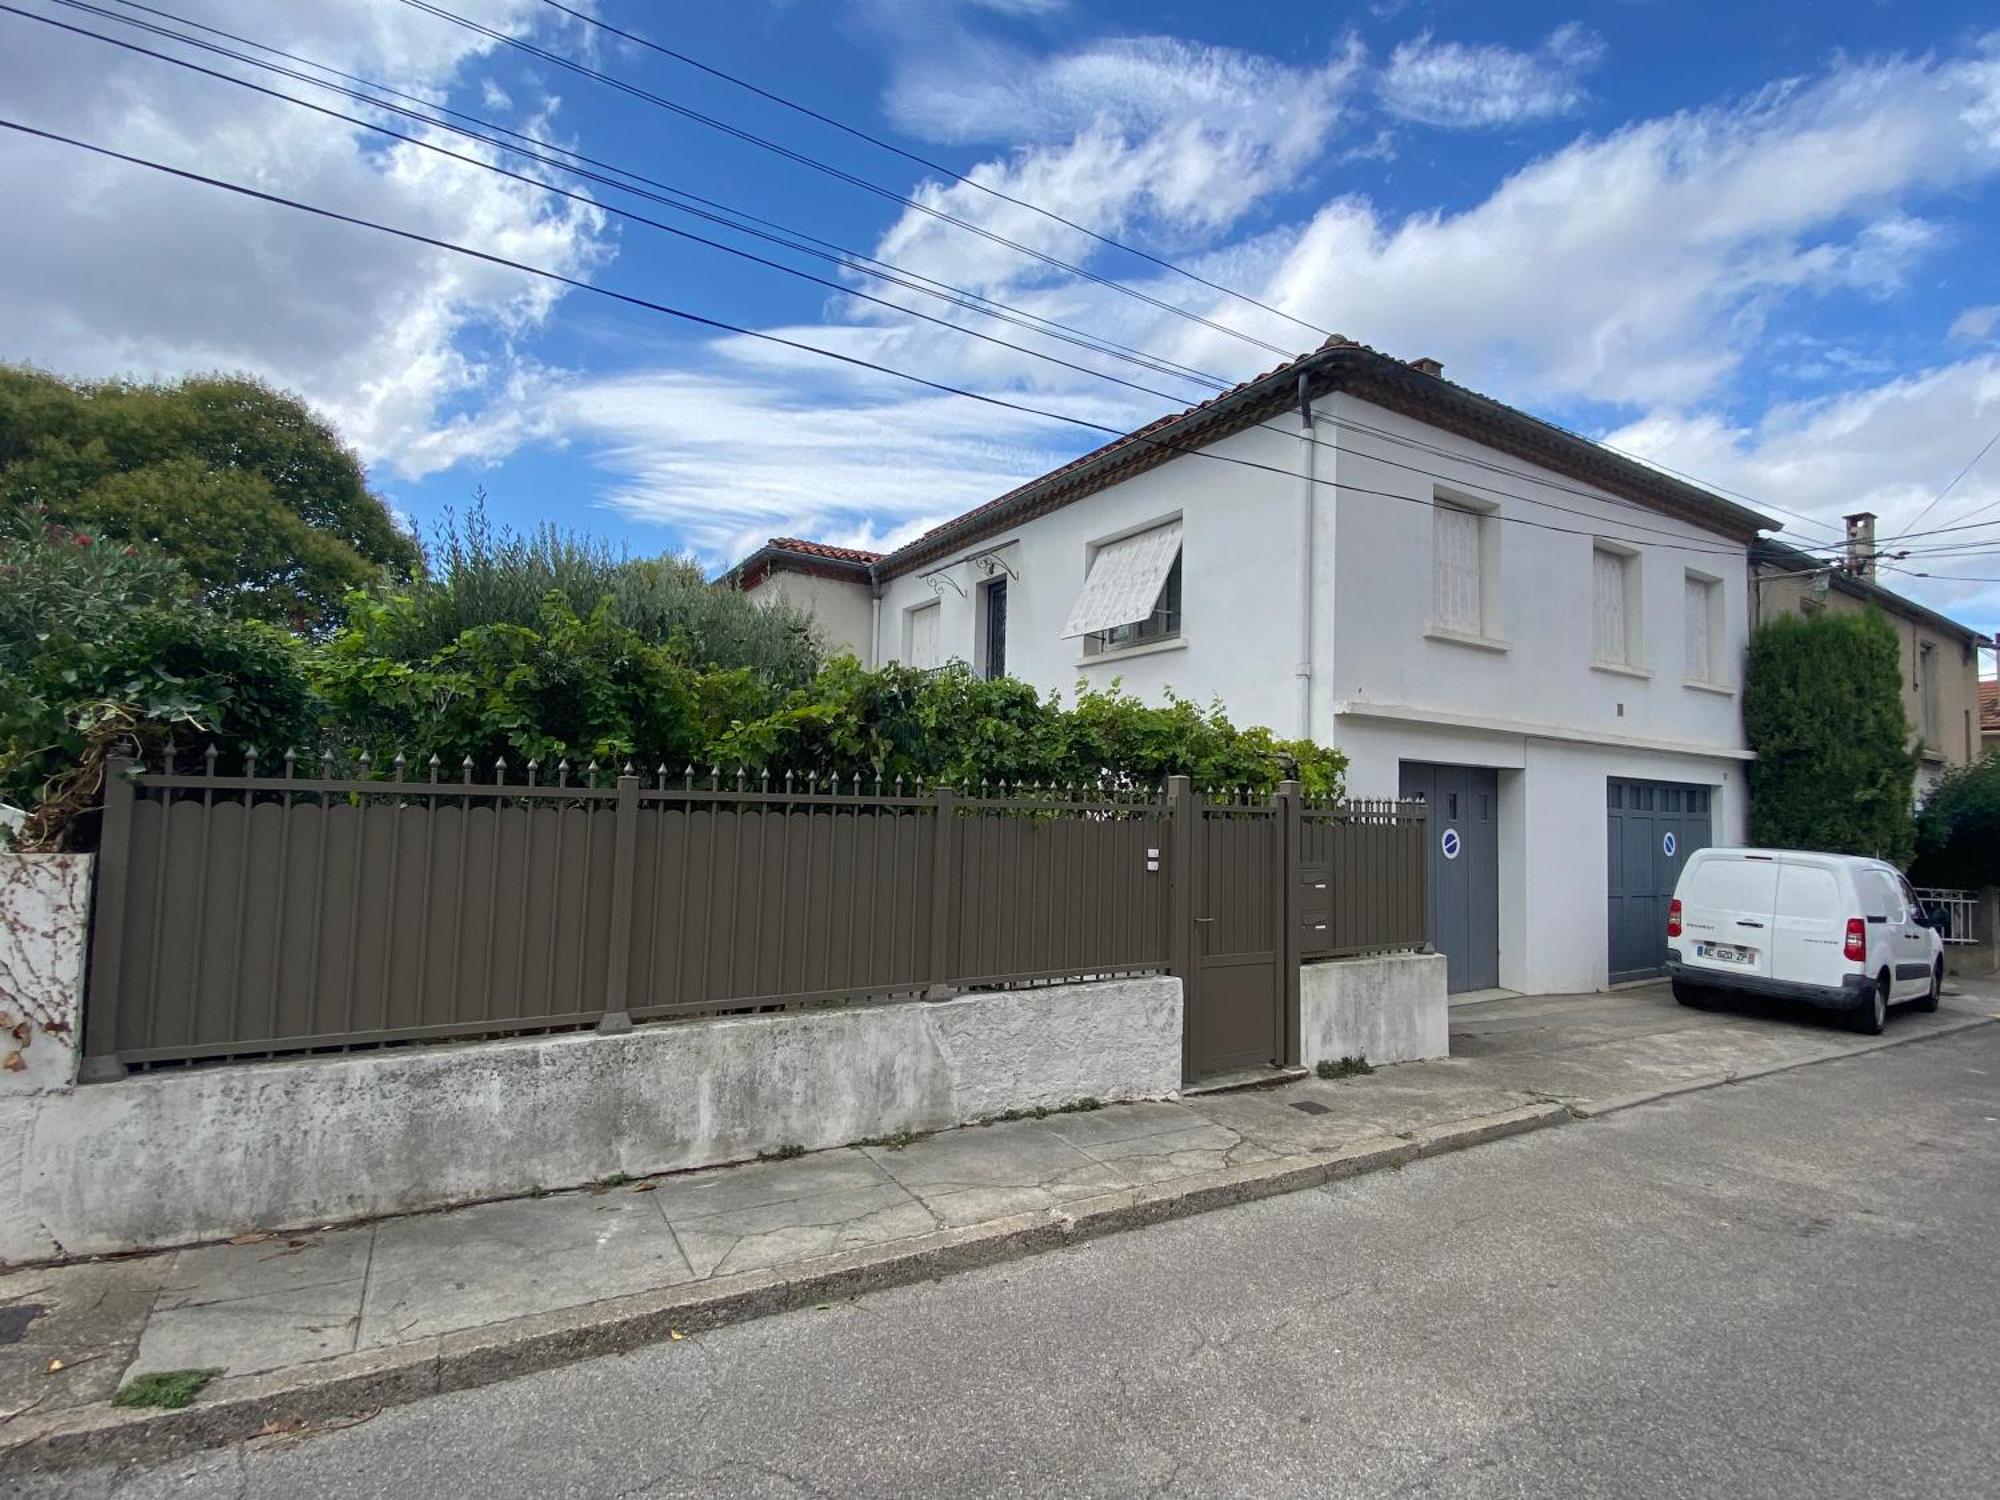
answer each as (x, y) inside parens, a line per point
(1382, 380)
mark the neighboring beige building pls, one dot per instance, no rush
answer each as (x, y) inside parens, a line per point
(1940, 657)
(819, 581)
(1989, 715)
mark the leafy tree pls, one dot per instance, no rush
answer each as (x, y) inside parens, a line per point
(1823, 710)
(1958, 827)
(255, 495)
(481, 575)
(106, 646)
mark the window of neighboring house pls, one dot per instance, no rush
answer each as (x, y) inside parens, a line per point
(922, 642)
(993, 618)
(1702, 612)
(1457, 548)
(1162, 624)
(1131, 591)
(1615, 606)
(1927, 693)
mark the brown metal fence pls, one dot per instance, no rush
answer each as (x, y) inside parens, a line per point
(267, 912)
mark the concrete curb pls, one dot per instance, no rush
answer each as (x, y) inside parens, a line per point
(1618, 1102)
(329, 1391)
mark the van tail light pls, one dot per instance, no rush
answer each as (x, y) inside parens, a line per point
(1857, 941)
(1674, 917)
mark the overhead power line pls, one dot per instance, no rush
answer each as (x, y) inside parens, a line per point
(1400, 439)
(764, 143)
(778, 340)
(927, 163)
(1971, 464)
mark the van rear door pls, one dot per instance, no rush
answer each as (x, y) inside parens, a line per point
(1811, 924)
(1728, 908)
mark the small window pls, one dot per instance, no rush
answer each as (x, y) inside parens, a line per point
(921, 640)
(1451, 806)
(993, 602)
(1615, 606)
(1927, 693)
(1457, 557)
(1131, 590)
(1164, 623)
(1702, 621)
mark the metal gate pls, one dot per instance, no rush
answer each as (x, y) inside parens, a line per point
(1230, 890)
(1651, 829)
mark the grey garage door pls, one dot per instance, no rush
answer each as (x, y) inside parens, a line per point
(1464, 868)
(1653, 827)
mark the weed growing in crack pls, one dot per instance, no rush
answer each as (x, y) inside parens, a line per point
(170, 1388)
(1346, 1067)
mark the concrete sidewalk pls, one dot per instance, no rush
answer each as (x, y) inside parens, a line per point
(306, 1326)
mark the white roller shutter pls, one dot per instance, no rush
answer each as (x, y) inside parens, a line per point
(1459, 606)
(1125, 580)
(1609, 633)
(924, 636)
(1699, 667)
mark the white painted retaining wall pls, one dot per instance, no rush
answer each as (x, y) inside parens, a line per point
(1388, 1009)
(178, 1157)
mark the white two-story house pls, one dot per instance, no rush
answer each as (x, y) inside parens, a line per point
(1541, 637)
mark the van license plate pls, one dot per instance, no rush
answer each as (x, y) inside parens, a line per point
(1724, 953)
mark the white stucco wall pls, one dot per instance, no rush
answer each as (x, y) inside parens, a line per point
(184, 1156)
(1388, 1008)
(841, 609)
(1236, 586)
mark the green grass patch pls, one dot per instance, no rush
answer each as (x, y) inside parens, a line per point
(164, 1388)
(1346, 1067)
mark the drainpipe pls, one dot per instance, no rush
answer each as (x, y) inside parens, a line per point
(1302, 673)
(874, 619)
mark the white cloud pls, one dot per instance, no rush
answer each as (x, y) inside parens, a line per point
(114, 270)
(1639, 269)
(1890, 448)
(1642, 267)
(1975, 322)
(1475, 87)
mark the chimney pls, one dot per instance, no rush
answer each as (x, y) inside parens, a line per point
(1428, 365)
(1861, 544)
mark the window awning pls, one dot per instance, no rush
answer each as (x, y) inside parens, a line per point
(1125, 580)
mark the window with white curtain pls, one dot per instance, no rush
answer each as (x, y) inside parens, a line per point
(1614, 609)
(923, 645)
(1701, 612)
(1456, 560)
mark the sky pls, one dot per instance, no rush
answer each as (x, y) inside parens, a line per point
(1752, 242)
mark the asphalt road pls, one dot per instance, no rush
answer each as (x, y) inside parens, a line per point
(1789, 1287)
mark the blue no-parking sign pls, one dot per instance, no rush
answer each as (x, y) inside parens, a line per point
(1668, 845)
(1449, 843)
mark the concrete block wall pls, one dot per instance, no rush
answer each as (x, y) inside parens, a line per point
(1388, 1008)
(180, 1157)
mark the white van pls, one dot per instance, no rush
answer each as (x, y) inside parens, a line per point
(1833, 930)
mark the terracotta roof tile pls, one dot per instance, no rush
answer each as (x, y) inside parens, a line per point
(823, 549)
(1989, 705)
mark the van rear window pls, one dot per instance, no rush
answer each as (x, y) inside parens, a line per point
(1808, 891)
(1734, 885)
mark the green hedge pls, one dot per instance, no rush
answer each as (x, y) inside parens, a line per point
(1823, 711)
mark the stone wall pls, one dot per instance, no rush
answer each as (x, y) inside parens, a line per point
(1389, 1008)
(184, 1156)
(44, 923)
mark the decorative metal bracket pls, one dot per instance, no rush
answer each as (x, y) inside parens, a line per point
(938, 579)
(992, 562)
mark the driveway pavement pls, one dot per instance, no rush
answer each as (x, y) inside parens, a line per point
(416, 1291)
